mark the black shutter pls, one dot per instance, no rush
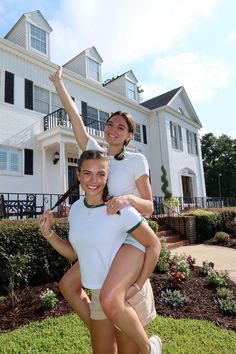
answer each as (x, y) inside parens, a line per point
(84, 112)
(9, 87)
(28, 162)
(28, 94)
(144, 134)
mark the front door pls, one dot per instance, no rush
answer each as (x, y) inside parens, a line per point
(187, 188)
(72, 177)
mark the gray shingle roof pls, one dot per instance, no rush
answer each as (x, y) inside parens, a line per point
(161, 100)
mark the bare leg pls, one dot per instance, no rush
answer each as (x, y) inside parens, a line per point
(103, 337)
(124, 270)
(125, 344)
(71, 289)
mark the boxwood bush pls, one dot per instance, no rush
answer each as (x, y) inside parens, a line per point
(23, 237)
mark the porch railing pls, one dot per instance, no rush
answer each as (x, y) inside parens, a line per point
(60, 118)
(44, 201)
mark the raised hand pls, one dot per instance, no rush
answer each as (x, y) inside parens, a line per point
(56, 77)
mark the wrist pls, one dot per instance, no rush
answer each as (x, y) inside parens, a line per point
(49, 235)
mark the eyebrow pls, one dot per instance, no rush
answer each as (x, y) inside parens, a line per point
(119, 125)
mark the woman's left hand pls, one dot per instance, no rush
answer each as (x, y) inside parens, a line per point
(116, 203)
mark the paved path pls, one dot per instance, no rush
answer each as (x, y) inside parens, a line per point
(224, 258)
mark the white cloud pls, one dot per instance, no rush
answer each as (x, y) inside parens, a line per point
(231, 38)
(201, 76)
(123, 31)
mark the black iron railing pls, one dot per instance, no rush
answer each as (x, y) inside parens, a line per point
(60, 118)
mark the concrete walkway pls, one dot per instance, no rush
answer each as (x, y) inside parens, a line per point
(224, 258)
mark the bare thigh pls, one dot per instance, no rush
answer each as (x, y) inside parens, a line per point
(124, 270)
(103, 337)
(71, 280)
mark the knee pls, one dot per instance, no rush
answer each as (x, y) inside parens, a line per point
(67, 285)
(111, 304)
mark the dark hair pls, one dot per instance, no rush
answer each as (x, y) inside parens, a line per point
(131, 129)
(86, 155)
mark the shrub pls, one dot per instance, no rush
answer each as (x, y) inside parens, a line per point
(218, 279)
(24, 237)
(206, 223)
(224, 293)
(153, 225)
(48, 299)
(207, 267)
(222, 237)
(162, 264)
(173, 298)
(227, 305)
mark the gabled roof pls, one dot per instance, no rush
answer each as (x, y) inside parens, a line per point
(162, 100)
(85, 52)
(26, 15)
(108, 81)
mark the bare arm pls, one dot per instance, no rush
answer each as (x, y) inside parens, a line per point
(143, 204)
(63, 247)
(145, 235)
(71, 109)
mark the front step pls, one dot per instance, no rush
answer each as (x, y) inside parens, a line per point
(172, 239)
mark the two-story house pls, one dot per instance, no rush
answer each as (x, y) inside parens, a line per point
(38, 151)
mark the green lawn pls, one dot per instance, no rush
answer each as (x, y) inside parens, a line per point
(67, 334)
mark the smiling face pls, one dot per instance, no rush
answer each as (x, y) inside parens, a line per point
(93, 176)
(117, 131)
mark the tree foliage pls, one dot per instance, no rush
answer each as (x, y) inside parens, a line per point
(219, 163)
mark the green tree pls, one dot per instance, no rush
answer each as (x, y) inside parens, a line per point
(219, 158)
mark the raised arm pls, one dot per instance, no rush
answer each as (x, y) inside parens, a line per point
(63, 247)
(71, 109)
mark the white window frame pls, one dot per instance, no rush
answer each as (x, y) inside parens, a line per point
(176, 136)
(93, 69)
(38, 39)
(131, 90)
(11, 161)
(40, 103)
(192, 142)
(99, 119)
(137, 134)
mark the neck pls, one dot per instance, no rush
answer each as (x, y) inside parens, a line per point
(114, 150)
(93, 200)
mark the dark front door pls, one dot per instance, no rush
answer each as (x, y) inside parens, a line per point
(72, 177)
(187, 188)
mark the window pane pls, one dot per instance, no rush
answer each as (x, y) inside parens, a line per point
(41, 100)
(103, 116)
(38, 39)
(92, 117)
(55, 102)
(93, 67)
(10, 160)
(131, 90)
(137, 134)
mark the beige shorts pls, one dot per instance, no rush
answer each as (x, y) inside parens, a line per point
(142, 302)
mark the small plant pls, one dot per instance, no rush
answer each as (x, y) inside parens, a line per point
(227, 305)
(224, 293)
(207, 267)
(179, 265)
(162, 264)
(218, 279)
(48, 299)
(174, 298)
(222, 237)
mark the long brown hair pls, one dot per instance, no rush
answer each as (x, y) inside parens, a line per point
(131, 129)
(86, 155)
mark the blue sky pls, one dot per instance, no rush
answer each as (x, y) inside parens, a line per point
(166, 43)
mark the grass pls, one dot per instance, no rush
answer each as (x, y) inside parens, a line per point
(68, 335)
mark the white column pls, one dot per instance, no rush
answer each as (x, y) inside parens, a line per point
(44, 169)
(62, 162)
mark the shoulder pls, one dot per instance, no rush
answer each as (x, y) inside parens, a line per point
(136, 156)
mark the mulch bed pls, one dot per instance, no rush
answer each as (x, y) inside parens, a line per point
(200, 303)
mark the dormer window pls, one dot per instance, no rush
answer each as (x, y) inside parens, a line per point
(131, 90)
(38, 39)
(93, 70)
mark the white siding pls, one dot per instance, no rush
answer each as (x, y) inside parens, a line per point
(18, 34)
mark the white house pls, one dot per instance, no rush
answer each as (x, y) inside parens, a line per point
(38, 151)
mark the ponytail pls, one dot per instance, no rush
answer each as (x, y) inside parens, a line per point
(66, 194)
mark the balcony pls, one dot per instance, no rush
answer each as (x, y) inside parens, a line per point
(60, 118)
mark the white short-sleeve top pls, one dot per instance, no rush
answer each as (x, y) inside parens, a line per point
(96, 237)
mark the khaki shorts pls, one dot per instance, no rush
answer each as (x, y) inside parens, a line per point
(142, 302)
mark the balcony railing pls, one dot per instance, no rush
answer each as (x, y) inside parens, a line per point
(60, 118)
